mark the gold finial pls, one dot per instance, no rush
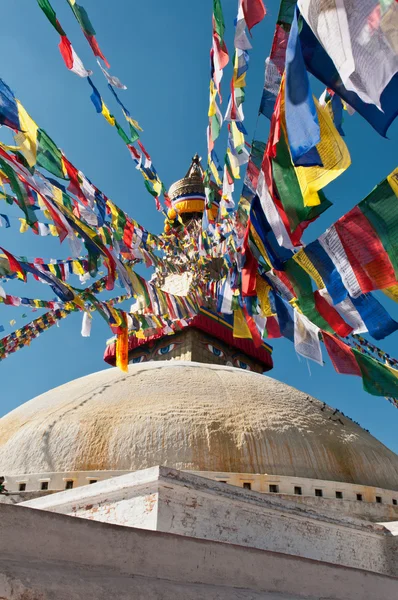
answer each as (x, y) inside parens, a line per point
(195, 169)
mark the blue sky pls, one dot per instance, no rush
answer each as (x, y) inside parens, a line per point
(160, 51)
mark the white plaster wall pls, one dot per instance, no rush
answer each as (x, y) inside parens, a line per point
(210, 516)
(188, 505)
(79, 559)
(349, 505)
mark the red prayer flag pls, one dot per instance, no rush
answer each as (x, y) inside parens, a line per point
(65, 48)
(95, 48)
(341, 355)
(331, 316)
(14, 264)
(371, 264)
(254, 12)
(249, 273)
(257, 341)
(272, 327)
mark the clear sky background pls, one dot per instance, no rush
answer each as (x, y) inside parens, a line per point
(160, 51)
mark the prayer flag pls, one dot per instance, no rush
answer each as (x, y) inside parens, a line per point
(254, 11)
(15, 266)
(380, 207)
(306, 338)
(360, 39)
(368, 258)
(300, 112)
(8, 108)
(49, 156)
(87, 28)
(374, 315)
(341, 355)
(319, 63)
(378, 379)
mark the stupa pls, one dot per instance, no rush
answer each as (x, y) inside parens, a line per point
(222, 482)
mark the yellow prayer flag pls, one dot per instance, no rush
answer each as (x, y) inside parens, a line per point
(260, 245)
(393, 180)
(110, 118)
(237, 136)
(213, 104)
(132, 121)
(334, 155)
(391, 292)
(332, 151)
(214, 171)
(24, 226)
(241, 329)
(305, 263)
(240, 82)
(57, 194)
(157, 186)
(53, 230)
(27, 137)
(77, 268)
(263, 288)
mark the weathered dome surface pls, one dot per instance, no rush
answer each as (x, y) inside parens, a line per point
(189, 416)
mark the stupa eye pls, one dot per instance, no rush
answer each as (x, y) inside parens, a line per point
(242, 365)
(166, 349)
(138, 359)
(216, 351)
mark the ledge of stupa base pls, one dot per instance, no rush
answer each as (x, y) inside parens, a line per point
(171, 501)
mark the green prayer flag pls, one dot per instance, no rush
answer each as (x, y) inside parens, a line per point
(380, 207)
(82, 18)
(134, 135)
(49, 156)
(218, 19)
(122, 133)
(289, 189)
(302, 285)
(20, 193)
(51, 16)
(378, 379)
(150, 190)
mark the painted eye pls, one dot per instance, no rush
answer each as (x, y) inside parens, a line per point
(166, 349)
(138, 359)
(216, 351)
(242, 365)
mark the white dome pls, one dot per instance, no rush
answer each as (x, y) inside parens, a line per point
(189, 416)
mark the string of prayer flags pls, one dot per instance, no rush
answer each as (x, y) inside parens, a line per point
(275, 63)
(143, 160)
(219, 59)
(219, 53)
(24, 336)
(71, 59)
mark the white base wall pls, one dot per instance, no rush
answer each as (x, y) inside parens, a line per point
(48, 556)
(181, 503)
